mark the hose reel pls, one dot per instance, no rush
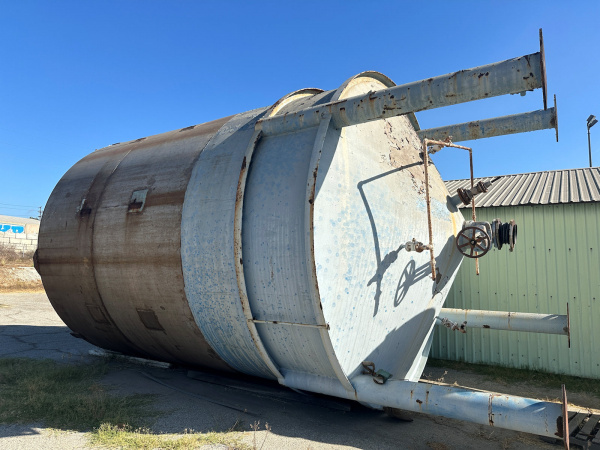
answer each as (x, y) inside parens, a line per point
(477, 238)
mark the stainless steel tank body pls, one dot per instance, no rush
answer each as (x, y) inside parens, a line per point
(269, 242)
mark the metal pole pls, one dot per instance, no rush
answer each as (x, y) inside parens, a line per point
(589, 145)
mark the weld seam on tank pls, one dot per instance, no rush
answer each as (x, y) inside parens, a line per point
(92, 216)
(309, 205)
(205, 245)
(239, 261)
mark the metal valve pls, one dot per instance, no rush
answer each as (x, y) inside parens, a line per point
(474, 240)
(477, 238)
(465, 196)
(416, 246)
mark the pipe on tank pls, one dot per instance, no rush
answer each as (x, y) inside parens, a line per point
(509, 321)
(481, 407)
(498, 126)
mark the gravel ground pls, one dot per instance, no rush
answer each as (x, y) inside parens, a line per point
(29, 327)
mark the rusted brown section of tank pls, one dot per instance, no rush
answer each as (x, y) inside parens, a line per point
(110, 242)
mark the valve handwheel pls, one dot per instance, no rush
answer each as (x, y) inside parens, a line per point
(473, 242)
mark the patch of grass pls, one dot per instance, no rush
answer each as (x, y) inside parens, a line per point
(64, 396)
(509, 375)
(126, 437)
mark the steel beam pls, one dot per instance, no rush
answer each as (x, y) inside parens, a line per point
(506, 77)
(510, 321)
(498, 126)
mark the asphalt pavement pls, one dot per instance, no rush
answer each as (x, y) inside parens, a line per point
(203, 401)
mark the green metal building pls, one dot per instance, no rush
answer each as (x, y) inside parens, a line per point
(556, 262)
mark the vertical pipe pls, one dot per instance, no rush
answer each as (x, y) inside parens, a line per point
(473, 203)
(426, 143)
(590, 146)
(428, 202)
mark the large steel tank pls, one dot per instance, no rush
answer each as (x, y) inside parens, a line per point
(286, 243)
(273, 255)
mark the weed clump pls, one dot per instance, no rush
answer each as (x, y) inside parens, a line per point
(13, 257)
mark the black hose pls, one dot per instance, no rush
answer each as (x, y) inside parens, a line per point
(503, 235)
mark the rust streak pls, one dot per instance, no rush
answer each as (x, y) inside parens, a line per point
(490, 410)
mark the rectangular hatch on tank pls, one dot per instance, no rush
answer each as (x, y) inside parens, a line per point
(137, 202)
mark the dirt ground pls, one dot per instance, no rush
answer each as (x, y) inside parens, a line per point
(29, 327)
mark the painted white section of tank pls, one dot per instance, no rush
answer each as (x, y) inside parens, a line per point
(379, 300)
(207, 246)
(291, 246)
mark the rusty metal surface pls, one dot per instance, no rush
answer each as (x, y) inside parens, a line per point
(246, 285)
(437, 146)
(538, 188)
(543, 72)
(112, 271)
(564, 432)
(498, 126)
(501, 78)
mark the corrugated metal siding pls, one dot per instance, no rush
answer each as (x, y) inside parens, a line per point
(539, 188)
(556, 260)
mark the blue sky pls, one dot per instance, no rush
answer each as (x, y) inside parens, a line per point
(80, 75)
